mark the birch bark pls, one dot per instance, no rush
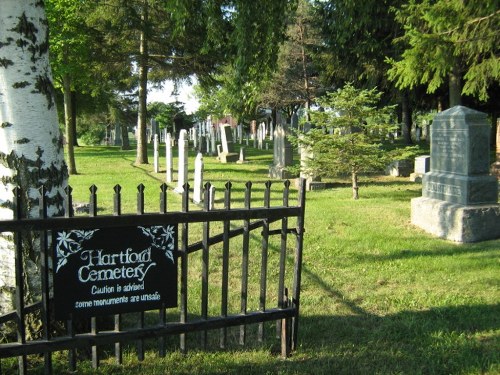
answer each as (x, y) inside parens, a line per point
(31, 148)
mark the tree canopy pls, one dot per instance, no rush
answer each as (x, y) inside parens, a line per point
(446, 38)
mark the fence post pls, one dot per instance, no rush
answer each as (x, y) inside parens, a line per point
(205, 263)
(225, 263)
(70, 324)
(117, 211)
(264, 255)
(19, 296)
(282, 264)
(298, 260)
(184, 267)
(140, 323)
(93, 320)
(44, 271)
(163, 312)
(244, 262)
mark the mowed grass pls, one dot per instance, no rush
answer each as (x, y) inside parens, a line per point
(379, 296)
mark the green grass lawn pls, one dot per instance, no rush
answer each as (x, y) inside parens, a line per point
(379, 296)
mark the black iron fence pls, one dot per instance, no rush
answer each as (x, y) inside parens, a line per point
(214, 254)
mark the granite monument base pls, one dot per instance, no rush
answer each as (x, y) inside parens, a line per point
(279, 172)
(228, 157)
(464, 190)
(456, 222)
(495, 169)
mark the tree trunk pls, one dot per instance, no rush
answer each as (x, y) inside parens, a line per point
(355, 187)
(455, 89)
(125, 140)
(307, 104)
(68, 122)
(406, 117)
(73, 118)
(31, 149)
(142, 144)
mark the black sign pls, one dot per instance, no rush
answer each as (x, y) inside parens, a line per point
(114, 270)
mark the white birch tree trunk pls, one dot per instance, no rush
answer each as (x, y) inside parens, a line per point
(31, 149)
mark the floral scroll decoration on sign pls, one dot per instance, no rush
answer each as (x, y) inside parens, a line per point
(69, 243)
(162, 238)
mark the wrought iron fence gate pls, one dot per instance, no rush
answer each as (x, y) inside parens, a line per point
(231, 247)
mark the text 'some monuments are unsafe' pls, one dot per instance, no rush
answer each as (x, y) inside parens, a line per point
(114, 270)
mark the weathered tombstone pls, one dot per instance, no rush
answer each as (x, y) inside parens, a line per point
(399, 168)
(168, 157)
(260, 136)
(495, 167)
(118, 135)
(421, 167)
(294, 122)
(182, 171)
(156, 154)
(154, 128)
(242, 159)
(195, 137)
(240, 133)
(227, 155)
(459, 197)
(283, 155)
(211, 203)
(212, 147)
(313, 182)
(198, 179)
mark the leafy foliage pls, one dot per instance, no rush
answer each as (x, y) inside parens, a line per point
(350, 134)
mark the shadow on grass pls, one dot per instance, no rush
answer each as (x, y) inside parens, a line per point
(486, 248)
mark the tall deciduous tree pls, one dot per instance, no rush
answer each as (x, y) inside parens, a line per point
(447, 41)
(31, 151)
(70, 58)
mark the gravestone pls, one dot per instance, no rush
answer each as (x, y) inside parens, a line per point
(294, 122)
(260, 135)
(212, 146)
(421, 167)
(182, 170)
(283, 155)
(155, 129)
(168, 158)
(399, 168)
(117, 141)
(313, 182)
(495, 167)
(242, 159)
(227, 154)
(156, 154)
(198, 179)
(459, 197)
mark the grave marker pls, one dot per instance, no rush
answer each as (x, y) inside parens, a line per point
(459, 197)
(182, 171)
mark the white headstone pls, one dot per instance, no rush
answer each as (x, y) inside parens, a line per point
(198, 179)
(182, 171)
(168, 157)
(156, 154)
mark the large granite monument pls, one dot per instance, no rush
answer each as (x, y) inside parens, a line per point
(495, 167)
(459, 196)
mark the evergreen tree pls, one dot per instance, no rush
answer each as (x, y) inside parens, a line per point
(349, 135)
(446, 41)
